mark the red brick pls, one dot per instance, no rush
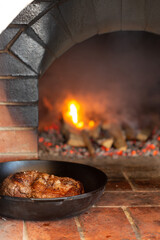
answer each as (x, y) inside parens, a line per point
(58, 230)
(147, 221)
(11, 230)
(129, 199)
(15, 157)
(106, 223)
(21, 141)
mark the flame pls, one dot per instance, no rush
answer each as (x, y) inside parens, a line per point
(91, 124)
(75, 115)
(80, 124)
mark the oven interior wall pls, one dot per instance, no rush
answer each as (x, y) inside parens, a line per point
(114, 75)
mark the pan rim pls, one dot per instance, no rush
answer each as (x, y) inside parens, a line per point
(80, 196)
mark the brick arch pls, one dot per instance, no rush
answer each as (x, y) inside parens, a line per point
(43, 31)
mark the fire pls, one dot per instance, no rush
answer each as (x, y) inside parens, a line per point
(75, 115)
(80, 124)
(91, 123)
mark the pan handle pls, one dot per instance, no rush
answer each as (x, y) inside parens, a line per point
(33, 200)
(44, 200)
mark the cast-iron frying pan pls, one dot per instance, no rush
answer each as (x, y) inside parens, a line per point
(93, 181)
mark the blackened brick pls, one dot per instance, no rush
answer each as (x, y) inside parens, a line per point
(153, 17)
(134, 15)
(48, 59)
(19, 90)
(80, 18)
(29, 51)
(11, 66)
(7, 36)
(108, 15)
(53, 33)
(30, 12)
(18, 116)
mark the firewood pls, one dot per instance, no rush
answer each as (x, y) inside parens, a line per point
(104, 133)
(95, 132)
(66, 129)
(129, 131)
(107, 143)
(144, 134)
(106, 126)
(88, 143)
(76, 140)
(119, 139)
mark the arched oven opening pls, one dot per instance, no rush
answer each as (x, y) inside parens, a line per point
(101, 98)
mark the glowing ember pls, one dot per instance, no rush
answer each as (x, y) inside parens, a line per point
(52, 141)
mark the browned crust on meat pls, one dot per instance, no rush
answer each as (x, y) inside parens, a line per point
(34, 184)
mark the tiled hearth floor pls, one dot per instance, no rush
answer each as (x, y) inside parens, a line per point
(128, 210)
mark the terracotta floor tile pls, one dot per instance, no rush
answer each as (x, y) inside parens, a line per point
(116, 179)
(148, 222)
(144, 178)
(129, 199)
(146, 184)
(11, 229)
(103, 223)
(117, 185)
(65, 229)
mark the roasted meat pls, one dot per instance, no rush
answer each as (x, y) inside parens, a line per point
(34, 184)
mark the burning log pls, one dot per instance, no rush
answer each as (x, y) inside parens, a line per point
(129, 131)
(76, 140)
(95, 132)
(66, 129)
(144, 134)
(107, 143)
(117, 134)
(106, 126)
(105, 138)
(88, 143)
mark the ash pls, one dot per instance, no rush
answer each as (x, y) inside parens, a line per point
(52, 141)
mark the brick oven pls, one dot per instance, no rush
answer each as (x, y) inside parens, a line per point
(42, 32)
(39, 35)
